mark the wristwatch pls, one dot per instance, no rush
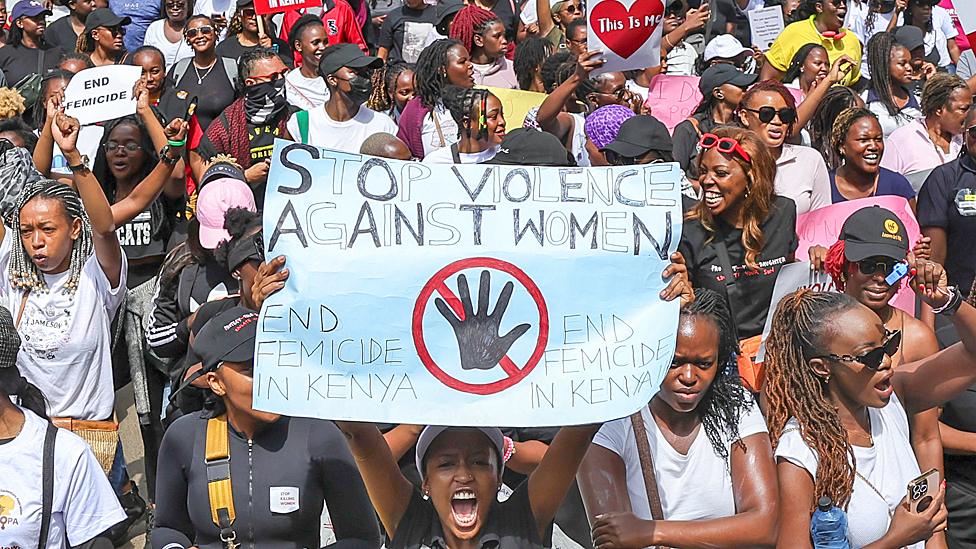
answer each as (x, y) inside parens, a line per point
(167, 158)
(80, 167)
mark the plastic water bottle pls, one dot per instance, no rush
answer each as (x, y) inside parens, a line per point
(829, 526)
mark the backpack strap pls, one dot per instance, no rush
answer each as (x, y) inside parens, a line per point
(47, 480)
(302, 119)
(647, 465)
(230, 67)
(219, 490)
(695, 124)
(180, 69)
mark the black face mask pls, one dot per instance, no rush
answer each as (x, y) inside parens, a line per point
(360, 88)
(265, 101)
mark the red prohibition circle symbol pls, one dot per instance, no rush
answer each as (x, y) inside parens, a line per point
(514, 373)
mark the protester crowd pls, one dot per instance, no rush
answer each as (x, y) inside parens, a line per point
(132, 260)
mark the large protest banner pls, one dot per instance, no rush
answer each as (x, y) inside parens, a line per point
(628, 32)
(465, 295)
(822, 227)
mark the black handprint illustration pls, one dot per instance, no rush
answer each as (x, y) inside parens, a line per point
(477, 334)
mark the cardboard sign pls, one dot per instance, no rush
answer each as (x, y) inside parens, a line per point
(765, 24)
(516, 103)
(465, 294)
(790, 278)
(264, 7)
(102, 93)
(673, 98)
(628, 32)
(822, 227)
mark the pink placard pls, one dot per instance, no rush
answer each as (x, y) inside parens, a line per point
(822, 227)
(673, 98)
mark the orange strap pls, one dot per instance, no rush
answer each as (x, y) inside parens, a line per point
(219, 489)
(752, 373)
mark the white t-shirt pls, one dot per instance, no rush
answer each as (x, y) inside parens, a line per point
(856, 22)
(305, 93)
(889, 466)
(346, 136)
(444, 156)
(694, 486)
(801, 175)
(172, 52)
(66, 341)
(84, 504)
(429, 134)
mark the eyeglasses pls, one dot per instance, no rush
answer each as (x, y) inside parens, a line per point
(573, 8)
(130, 147)
(116, 31)
(766, 114)
(176, 4)
(247, 12)
(205, 29)
(872, 266)
(725, 145)
(873, 358)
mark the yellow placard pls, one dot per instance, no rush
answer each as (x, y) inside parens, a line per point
(516, 103)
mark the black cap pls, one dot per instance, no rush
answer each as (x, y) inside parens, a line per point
(104, 17)
(531, 147)
(242, 3)
(874, 231)
(910, 37)
(445, 9)
(227, 337)
(219, 170)
(640, 134)
(346, 55)
(723, 73)
(244, 249)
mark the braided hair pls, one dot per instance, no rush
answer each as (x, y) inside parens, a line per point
(938, 90)
(879, 62)
(530, 54)
(800, 327)
(431, 74)
(21, 271)
(796, 65)
(467, 104)
(384, 85)
(842, 125)
(725, 400)
(468, 22)
(835, 100)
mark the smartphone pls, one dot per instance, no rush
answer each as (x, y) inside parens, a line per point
(921, 490)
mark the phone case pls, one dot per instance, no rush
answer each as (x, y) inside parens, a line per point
(922, 490)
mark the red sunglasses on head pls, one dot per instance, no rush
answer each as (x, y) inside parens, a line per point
(725, 145)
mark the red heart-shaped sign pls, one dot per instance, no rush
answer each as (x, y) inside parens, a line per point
(624, 31)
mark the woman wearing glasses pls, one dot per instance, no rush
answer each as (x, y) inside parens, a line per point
(837, 410)
(102, 39)
(206, 76)
(243, 35)
(769, 109)
(742, 228)
(167, 33)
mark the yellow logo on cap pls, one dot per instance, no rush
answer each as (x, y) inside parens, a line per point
(891, 226)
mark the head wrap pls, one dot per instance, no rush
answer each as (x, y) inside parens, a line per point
(602, 125)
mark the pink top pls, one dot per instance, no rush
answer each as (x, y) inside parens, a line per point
(961, 38)
(909, 150)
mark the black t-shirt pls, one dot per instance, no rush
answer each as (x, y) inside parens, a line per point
(729, 12)
(510, 525)
(231, 47)
(948, 200)
(686, 139)
(60, 33)
(16, 62)
(507, 11)
(215, 92)
(960, 413)
(407, 22)
(753, 288)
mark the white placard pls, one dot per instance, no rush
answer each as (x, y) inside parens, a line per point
(102, 93)
(628, 32)
(766, 25)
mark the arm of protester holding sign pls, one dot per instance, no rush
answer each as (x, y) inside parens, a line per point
(108, 251)
(544, 15)
(839, 70)
(157, 181)
(695, 19)
(551, 116)
(44, 149)
(174, 185)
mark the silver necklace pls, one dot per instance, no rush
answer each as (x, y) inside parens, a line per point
(200, 78)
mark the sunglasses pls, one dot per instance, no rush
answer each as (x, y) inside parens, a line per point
(116, 31)
(725, 145)
(766, 114)
(129, 147)
(177, 4)
(971, 131)
(275, 76)
(873, 358)
(247, 12)
(872, 266)
(205, 29)
(573, 8)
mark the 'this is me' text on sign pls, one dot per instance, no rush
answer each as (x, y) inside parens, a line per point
(102, 93)
(628, 32)
(465, 295)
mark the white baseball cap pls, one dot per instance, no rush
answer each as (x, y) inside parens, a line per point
(724, 46)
